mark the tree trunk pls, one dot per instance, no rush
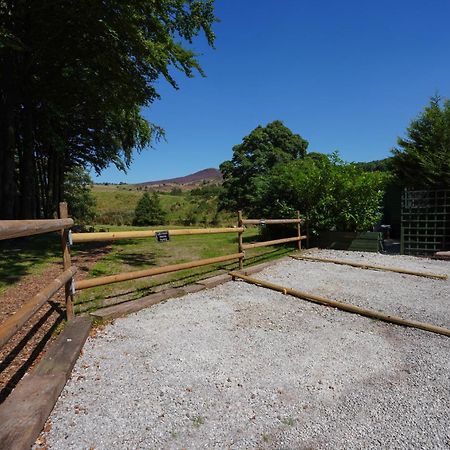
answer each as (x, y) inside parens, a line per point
(27, 173)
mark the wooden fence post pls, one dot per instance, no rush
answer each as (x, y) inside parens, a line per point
(299, 243)
(63, 214)
(240, 225)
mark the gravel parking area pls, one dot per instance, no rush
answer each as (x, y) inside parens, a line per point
(240, 366)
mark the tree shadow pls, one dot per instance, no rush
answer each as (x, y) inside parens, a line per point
(10, 358)
(137, 259)
(21, 255)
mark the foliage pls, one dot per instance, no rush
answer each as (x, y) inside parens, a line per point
(379, 165)
(261, 150)
(78, 195)
(176, 191)
(330, 194)
(207, 191)
(75, 77)
(422, 160)
(149, 211)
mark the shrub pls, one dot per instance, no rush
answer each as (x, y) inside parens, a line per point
(330, 194)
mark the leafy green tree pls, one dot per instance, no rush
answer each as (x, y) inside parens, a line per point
(422, 160)
(149, 211)
(261, 150)
(78, 195)
(75, 77)
(330, 194)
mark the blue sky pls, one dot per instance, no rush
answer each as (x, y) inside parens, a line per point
(345, 75)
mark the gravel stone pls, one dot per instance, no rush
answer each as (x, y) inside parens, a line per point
(240, 366)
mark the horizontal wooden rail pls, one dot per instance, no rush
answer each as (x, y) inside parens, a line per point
(10, 326)
(113, 236)
(16, 228)
(100, 281)
(269, 221)
(276, 241)
(372, 267)
(344, 306)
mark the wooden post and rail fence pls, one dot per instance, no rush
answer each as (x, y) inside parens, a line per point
(10, 229)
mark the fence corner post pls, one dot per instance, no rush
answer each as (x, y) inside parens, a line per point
(240, 225)
(299, 242)
(63, 214)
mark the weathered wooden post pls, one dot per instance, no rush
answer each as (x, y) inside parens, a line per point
(63, 214)
(299, 242)
(240, 250)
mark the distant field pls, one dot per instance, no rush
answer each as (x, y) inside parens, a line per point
(116, 204)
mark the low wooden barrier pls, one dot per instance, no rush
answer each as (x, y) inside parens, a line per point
(100, 281)
(114, 236)
(242, 247)
(10, 229)
(17, 228)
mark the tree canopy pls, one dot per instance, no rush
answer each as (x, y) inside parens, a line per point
(74, 77)
(261, 150)
(422, 159)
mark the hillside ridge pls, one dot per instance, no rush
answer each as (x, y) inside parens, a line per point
(205, 174)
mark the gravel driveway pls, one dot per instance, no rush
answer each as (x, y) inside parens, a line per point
(240, 366)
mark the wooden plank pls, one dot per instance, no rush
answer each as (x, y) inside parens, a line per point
(114, 236)
(372, 267)
(10, 326)
(274, 242)
(24, 413)
(345, 306)
(214, 281)
(100, 281)
(269, 221)
(10, 229)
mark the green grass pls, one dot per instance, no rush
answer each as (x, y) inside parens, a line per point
(136, 254)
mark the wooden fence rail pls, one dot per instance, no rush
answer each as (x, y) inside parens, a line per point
(114, 236)
(13, 323)
(100, 281)
(18, 228)
(274, 242)
(269, 221)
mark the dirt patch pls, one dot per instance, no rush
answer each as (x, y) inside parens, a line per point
(27, 346)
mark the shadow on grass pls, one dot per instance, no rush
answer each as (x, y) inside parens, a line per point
(137, 259)
(20, 256)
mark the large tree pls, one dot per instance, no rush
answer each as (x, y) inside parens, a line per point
(261, 150)
(74, 77)
(422, 159)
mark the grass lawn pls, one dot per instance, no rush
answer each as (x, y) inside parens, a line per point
(137, 254)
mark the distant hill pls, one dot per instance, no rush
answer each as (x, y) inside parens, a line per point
(194, 178)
